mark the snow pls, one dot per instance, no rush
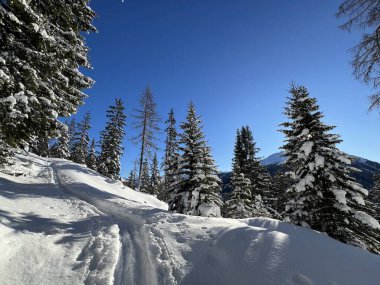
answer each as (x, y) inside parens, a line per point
(61, 223)
(367, 219)
(307, 147)
(340, 196)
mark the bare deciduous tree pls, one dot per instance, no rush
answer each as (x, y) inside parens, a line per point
(148, 125)
(365, 15)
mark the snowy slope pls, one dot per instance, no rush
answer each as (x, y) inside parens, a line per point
(65, 224)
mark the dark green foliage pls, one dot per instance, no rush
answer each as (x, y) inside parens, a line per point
(41, 51)
(81, 140)
(111, 141)
(170, 163)
(323, 195)
(92, 158)
(145, 178)
(197, 190)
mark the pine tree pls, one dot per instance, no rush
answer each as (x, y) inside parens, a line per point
(145, 178)
(81, 140)
(41, 52)
(111, 141)
(155, 179)
(323, 196)
(61, 148)
(92, 158)
(5, 152)
(374, 195)
(251, 165)
(170, 164)
(197, 190)
(71, 133)
(147, 124)
(131, 180)
(241, 203)
(277, 198)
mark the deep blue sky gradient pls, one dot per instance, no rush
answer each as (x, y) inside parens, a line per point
(235, 60)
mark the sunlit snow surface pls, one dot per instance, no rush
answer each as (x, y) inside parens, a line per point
(61, 223)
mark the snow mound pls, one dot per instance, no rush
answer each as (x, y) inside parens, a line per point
(61, 223)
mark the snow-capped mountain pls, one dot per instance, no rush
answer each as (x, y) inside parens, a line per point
(367, 167)
(62, 223)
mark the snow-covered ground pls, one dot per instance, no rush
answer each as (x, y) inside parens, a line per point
(61, 223)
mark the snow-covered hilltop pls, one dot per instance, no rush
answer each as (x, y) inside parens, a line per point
(61, 223)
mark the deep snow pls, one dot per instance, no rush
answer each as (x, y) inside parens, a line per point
(61, 223)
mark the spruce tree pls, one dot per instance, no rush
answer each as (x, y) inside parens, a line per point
(277, 197)
(170, 164)
(241, 203)
(92, 158)
(145, 177)
(155, 179)
(81, 140)
(197, 190)
(323, 196)
(112, 140)
(374, 195)
(131, 180)
(41, 52)
(61, 149)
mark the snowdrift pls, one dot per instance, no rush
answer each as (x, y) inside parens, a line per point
(61, 223)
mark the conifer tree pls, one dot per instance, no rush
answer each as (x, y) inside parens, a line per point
(145, 177)
(170, 164)
(147, 120)
(323, 196)
(374, 195)
(61, 148)
(5, 152)
(81, 140)
(111, 141)
(71, 133)
(155, 179)
(277, 197)
(41, 52)
(92, 158)
(241, 203)
(131, 180)
(197, 190)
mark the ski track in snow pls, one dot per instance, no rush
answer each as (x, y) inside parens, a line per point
(82, 228)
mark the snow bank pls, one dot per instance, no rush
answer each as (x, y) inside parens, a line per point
(82, 228)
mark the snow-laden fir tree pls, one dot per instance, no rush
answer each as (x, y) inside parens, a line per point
(241, 203)
(170, 163)
(81, 140)
(111, 141)
(374, 195)
(147, 124)
(131, 180)
(40, 144)
(277, 198)
(5, 151)
(41, 51)
(250, 163)
(92, 157)
(145, 177)
(72, 125)
(155, 178)
(61, 149)
(197, 191)
(323, 196)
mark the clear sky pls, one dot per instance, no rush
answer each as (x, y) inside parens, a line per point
(235, 60)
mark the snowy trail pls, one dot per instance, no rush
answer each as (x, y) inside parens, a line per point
(135, 264)
(61, 223)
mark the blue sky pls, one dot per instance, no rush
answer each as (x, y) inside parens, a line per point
(235, 60)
